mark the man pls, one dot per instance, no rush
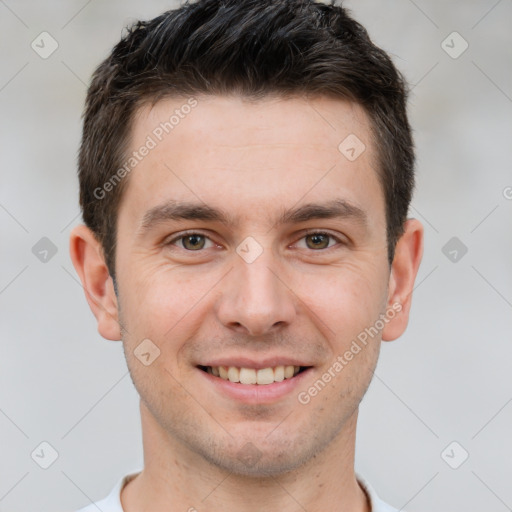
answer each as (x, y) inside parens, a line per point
(245, 172)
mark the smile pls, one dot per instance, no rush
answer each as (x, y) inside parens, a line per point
(261, 376)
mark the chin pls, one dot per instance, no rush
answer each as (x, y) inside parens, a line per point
(258, 464)
(255, 457)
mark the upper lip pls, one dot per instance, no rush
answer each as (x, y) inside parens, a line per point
(257, 364)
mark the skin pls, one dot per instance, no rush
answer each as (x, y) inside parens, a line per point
(254, 160)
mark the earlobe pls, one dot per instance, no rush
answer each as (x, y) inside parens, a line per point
(87, 256)
(408, 254)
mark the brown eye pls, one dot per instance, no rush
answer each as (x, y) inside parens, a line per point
(193, 242)
(190, 241)
(318, 240)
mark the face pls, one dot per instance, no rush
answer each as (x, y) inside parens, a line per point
(247, 239)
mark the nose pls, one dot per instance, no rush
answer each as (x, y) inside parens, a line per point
(256, 298)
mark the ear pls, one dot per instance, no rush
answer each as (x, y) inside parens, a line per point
(88, 259)
(408, 254)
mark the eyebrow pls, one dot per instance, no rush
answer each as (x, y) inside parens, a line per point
(335, 209)
(176, 211)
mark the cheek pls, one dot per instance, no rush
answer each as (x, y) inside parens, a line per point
(161, 310)
(160, 300)
(346, 299)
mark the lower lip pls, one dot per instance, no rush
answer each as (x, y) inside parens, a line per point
(256, 393)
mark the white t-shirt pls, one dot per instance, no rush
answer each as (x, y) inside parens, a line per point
(112, 503)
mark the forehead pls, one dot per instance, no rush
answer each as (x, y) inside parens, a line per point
(253, 157)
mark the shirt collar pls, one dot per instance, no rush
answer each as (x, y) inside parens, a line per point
(112, 502)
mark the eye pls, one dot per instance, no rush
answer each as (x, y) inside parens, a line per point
(195, 242)
(190, 241)
(318, 240)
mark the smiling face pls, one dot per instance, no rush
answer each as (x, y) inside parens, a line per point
(248, 241)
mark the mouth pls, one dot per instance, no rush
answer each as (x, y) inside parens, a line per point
(254, 376)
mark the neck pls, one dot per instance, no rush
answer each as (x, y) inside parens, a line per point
(177, 479)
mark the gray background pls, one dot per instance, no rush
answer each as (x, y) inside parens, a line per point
(447, 379)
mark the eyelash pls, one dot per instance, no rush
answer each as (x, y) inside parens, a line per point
(307, 233)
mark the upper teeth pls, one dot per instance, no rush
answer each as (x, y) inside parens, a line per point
(253, 376)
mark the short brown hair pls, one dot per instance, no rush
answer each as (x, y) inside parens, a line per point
(251, 48)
